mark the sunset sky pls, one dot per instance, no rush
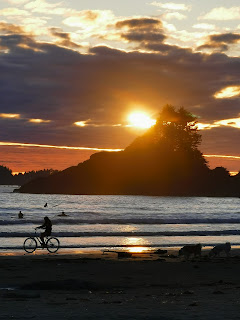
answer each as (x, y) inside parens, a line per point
(73, 72)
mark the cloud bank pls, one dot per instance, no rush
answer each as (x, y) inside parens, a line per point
(61, 85)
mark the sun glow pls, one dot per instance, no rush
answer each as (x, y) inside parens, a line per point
(140, 120)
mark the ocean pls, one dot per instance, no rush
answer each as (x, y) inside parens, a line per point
(116, 222)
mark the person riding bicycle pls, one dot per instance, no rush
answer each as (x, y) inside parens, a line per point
(47, 225)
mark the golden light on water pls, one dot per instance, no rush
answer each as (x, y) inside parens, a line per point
(136, 245)
(140, 119)
(228, 92)
(133, 241)
(138, 249)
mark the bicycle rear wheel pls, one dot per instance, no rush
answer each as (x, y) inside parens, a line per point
(53, 244)
(30, 245)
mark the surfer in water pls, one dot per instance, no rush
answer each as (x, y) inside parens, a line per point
(20, 215)
(63, 214)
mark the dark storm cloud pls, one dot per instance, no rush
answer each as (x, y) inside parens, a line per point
(46, 81)
(221, 42)
(13, 36)
(10, 28)
(64, 38)
(226, 37)
(142, 23)
(11, 41)
(143, 36)
(142, 30)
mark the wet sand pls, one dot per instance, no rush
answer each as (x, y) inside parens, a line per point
(92, 285)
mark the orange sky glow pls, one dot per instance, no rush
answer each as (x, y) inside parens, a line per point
(21, 157)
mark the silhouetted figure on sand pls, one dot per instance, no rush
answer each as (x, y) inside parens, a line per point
(20, 215)
(47, 225)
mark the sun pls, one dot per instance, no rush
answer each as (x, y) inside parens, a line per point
(140, 119)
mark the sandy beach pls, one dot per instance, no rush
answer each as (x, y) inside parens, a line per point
(92, 285)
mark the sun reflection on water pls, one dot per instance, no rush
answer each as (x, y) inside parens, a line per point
(136, 244)
(137, 249)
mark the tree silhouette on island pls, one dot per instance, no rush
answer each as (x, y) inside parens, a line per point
(8, 178)
(165, 161)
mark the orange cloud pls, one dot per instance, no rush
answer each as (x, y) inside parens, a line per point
(39, 121)
(89, 20)
(221, 156)
(228, 92)
(10, 115)
(81, 123)
(19, 144)
(233, 122)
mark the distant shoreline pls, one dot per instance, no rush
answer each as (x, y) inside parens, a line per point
(79, 253)
(129, 194)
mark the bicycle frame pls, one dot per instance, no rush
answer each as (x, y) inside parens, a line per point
(39, 241)
(52, 244)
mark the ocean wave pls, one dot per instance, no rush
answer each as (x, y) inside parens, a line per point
(123, 221)
(127, 234)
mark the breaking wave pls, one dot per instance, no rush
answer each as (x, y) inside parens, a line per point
(147, 221)
(127, 234)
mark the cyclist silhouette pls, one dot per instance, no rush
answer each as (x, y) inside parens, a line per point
(47, 225)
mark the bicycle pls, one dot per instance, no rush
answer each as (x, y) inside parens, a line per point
(33, 243)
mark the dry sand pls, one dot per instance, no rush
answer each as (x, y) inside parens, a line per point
(96, 286)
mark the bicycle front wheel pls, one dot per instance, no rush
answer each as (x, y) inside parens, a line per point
(30, 245)
(53, 244)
